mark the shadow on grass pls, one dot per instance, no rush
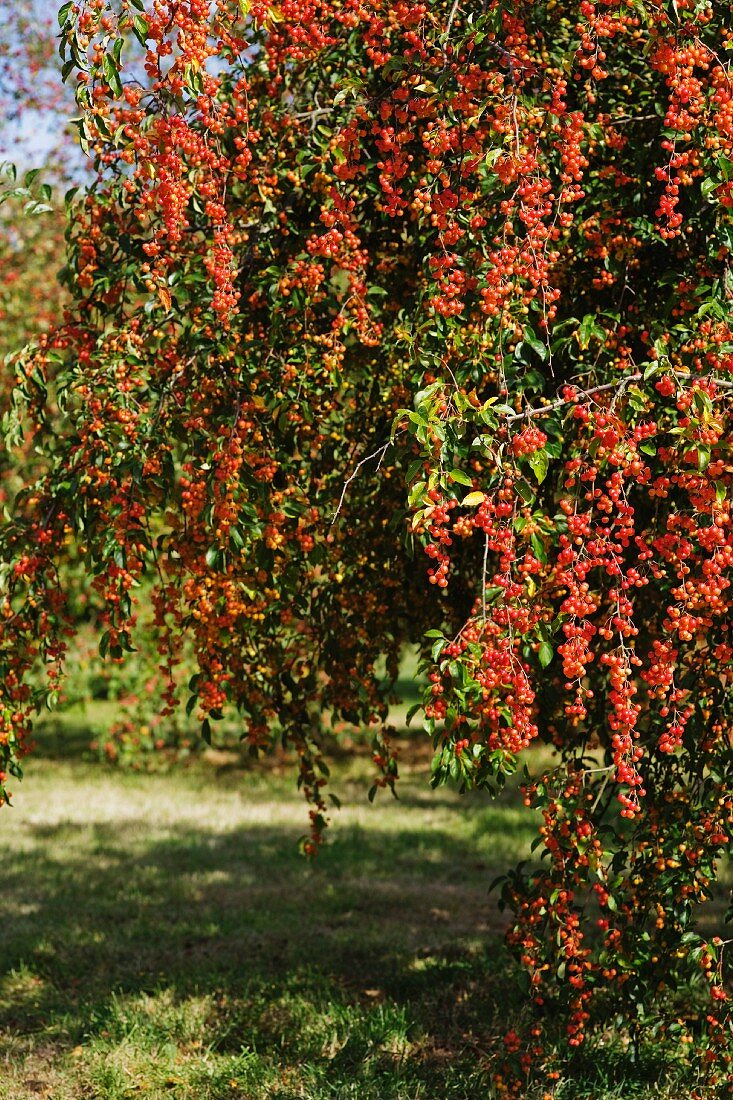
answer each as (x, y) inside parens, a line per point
(65, 736)
(108, 906)
(295, 962)
(180, 943)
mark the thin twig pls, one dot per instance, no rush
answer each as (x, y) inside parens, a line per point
(604, 784)
(316, 113)
(379, 452)
(621, 120)
(571, 401)
(451, 17)
(505, 56)
(722, 383)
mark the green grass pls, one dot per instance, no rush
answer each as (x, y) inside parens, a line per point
(162, 937)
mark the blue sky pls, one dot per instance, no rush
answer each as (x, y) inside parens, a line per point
(33, 135)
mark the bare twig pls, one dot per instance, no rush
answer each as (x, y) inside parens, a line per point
(604, 784)
(722, 383)
(505, 55)
(380, 452)
(571, 401)
(316, 113)
(451, 17)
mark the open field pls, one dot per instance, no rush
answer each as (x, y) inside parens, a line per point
(162, 937)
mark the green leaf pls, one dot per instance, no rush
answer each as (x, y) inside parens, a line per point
(637, 400)
(461, 477)
(215, 558)
(545, 653)
(708, 186)
(538, 547)
(140, 28)
(588, 329)
(703, 404)
(412, 712)
(538, 346)
(540, 462)
(437, 761)
(525, 491)
(726, 167)
(111, 75)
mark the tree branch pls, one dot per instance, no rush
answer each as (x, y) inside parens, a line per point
(379, 452)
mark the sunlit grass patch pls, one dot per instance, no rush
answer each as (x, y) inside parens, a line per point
(163, 937)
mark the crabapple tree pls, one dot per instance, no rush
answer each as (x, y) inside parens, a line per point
(408, 322)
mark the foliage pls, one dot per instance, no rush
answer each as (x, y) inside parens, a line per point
(361, 280)
(31, 252)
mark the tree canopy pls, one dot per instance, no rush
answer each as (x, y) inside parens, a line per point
(399, 323)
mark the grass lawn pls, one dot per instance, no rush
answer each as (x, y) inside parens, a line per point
(162, 937)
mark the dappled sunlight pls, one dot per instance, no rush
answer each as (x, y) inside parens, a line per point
(165, 936)
(165, 930)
